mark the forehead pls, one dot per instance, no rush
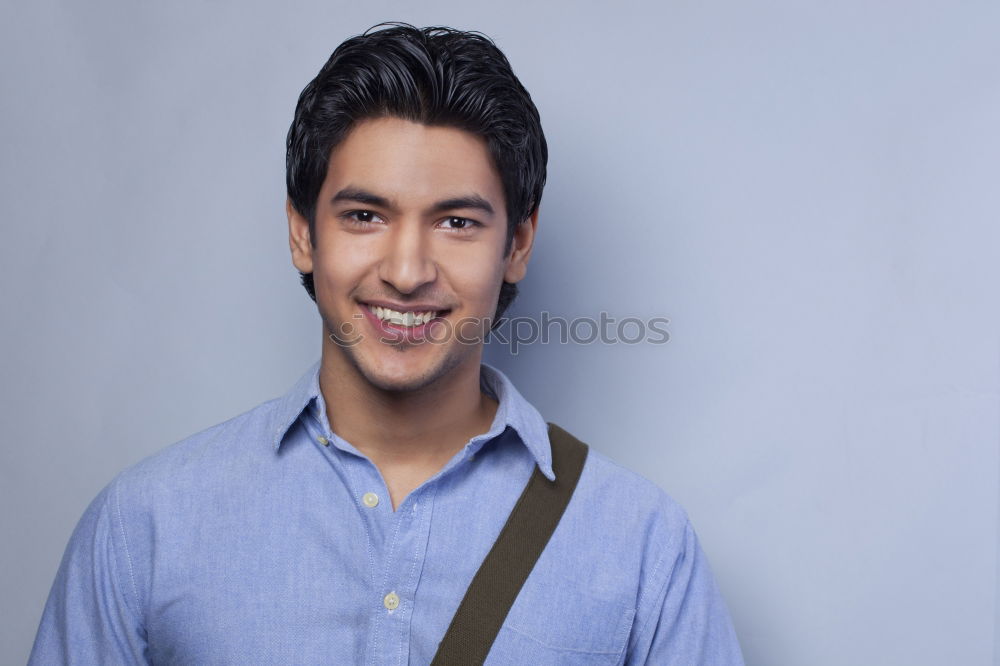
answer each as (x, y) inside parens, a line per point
(412, 162)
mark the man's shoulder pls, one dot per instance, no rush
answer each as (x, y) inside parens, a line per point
(622, 528)
(211, 455)
(624, 487)
(626, 504)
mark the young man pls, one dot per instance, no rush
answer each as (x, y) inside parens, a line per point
(343, 522)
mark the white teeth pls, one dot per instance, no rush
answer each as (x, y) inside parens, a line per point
(402, 318)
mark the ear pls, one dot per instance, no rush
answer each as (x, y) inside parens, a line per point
(298, 239)
(520, 249)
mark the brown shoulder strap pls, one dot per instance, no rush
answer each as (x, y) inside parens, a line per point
(522, 540)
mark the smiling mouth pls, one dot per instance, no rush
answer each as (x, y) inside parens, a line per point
(404, 319)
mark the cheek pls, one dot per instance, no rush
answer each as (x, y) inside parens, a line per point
(476, 277)
(341, 261)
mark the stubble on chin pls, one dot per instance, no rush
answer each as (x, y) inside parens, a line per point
(434, 371)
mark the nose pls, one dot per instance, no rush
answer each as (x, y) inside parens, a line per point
(406, 263)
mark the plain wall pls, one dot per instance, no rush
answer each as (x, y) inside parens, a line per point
(808, 191)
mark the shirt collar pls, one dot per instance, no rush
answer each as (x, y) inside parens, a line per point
(513, 410)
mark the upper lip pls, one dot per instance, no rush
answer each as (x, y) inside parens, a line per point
(419, 307)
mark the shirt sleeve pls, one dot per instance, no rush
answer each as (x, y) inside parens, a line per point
(91, 615)
(685, 622)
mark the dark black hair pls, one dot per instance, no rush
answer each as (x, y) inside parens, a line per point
(434, 76)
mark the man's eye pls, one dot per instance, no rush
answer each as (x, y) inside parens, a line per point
(459, 223)
(361, 217)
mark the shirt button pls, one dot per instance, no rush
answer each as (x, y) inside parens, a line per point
(323, 440)
(371, 501)
(391, 601)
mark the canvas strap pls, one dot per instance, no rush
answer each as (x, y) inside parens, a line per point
(512, 557)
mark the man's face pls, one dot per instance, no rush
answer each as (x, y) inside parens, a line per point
(410, 218)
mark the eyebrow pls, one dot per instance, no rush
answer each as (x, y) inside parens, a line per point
(358, 195)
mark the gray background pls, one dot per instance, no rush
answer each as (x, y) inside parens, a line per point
(807, 190)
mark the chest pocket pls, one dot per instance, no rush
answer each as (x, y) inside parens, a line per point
(558, 621)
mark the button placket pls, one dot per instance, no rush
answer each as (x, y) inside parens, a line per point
(390, 634)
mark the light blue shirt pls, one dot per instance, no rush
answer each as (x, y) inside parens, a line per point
(268, 539)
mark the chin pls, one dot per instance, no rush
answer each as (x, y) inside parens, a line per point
(408, 372)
